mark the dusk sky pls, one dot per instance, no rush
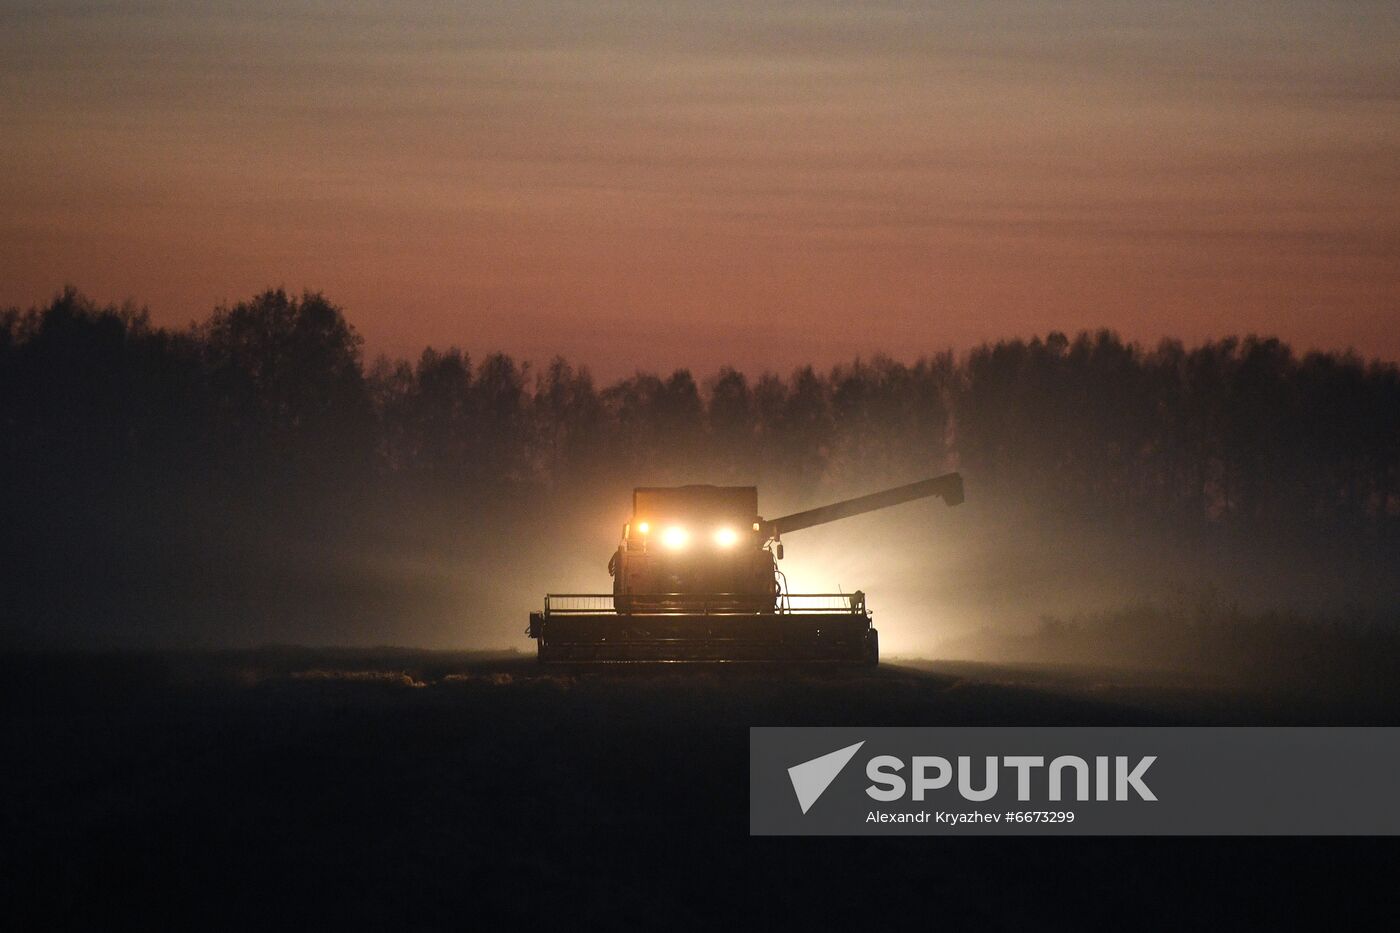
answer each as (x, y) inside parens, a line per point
(653, 184)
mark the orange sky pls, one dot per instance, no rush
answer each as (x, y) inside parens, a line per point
(651, 184)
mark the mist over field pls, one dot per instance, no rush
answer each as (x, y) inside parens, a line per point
(252, 479)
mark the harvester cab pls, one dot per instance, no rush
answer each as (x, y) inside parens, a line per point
(695, 578)
(689, 541)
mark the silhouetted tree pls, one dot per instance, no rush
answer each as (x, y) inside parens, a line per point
(733, 427)
(569, 419)
(287, 383)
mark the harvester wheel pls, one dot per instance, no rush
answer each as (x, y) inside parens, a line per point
(872, 649)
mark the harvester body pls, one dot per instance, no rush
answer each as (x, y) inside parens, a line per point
(695, 578)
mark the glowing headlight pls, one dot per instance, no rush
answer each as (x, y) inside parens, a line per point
(643, 528)
(726, 537)
(675, 537)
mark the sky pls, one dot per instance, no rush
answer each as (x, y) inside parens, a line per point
(703, 182)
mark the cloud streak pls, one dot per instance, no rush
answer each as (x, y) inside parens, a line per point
(520, 174)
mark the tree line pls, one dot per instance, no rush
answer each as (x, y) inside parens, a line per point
(134, 455)
(273, 393)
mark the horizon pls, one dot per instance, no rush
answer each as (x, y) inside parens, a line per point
(476, 351)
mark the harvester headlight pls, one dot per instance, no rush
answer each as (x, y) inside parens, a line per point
(675, 537)
(643, 528)
(726, 537)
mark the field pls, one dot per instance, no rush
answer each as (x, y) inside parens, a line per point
(443, 789)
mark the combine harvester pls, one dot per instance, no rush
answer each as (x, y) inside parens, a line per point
(695, 578)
